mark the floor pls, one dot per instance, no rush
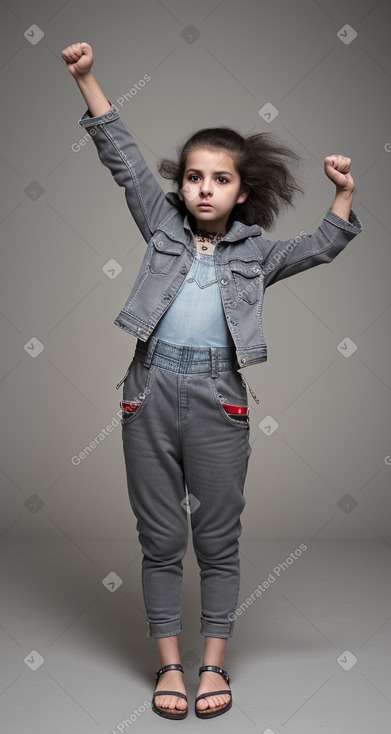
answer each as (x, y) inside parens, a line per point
(310, 651)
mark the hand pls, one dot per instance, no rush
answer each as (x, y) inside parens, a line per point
(337, 169)
(79, 58)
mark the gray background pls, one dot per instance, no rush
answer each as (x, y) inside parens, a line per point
(333, 412)
(322, 477)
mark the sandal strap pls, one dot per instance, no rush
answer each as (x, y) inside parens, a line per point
(170, 693)
(173, 666)
(212, 693)
(214, 669)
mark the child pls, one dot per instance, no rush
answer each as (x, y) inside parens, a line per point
(195, 309)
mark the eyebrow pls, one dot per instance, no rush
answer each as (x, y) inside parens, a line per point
(196, 170)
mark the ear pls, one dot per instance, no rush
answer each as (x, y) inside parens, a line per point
(243, 196)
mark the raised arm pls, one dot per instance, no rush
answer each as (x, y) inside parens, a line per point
(339, 226)
(116, 147)
(337, 169)
(79, 59)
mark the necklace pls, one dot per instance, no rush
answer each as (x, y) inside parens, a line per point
(210, 237)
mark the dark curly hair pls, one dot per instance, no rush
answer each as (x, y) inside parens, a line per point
(260, 163)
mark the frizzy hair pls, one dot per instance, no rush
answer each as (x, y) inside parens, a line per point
(264, 166)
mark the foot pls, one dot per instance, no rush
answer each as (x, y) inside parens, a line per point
(209, 682)
(171, 680)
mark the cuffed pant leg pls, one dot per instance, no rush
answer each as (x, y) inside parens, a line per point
(216, 454)
(156, 489)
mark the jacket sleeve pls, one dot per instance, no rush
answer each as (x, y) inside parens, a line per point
(119, 152)
(282, 259)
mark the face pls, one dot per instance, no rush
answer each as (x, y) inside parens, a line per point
(211, 177)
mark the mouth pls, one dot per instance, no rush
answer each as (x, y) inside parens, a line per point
(204, 205)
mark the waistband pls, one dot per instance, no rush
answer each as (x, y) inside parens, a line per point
(186, 359)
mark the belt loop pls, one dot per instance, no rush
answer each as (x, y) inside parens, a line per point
(151, 348)
(214, 362)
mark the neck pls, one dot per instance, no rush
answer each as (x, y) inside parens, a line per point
(204, 234)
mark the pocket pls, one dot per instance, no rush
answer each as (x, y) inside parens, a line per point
(164, 253)
(230, 395)
(128, 408)
(238, 412)
(247, 276)
(136, 391)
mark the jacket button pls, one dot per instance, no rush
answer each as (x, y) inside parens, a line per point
(159, 244)
(224, 281)
(183, 270)
(242, 360)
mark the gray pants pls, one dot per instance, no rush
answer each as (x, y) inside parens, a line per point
(181, 437)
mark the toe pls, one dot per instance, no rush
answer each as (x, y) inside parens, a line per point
(181, 704)
(171, 702)
(202, 704)
(213, 702)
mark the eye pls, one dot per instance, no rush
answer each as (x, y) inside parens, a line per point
(193, 176)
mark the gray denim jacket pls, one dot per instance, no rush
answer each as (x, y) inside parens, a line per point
(245, 262)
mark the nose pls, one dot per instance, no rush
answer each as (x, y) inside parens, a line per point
(206, 186)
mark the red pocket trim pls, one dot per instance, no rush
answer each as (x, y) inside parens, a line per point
(236, 409)
(129, 407)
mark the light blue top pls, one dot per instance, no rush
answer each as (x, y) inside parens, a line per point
(196, 316)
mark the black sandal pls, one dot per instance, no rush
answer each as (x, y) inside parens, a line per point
(168, 713)
(217, 710)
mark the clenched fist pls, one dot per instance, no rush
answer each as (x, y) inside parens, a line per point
(79, 58)
(337, 169)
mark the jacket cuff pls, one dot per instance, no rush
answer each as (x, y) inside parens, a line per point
(353, 225)
(88, 120)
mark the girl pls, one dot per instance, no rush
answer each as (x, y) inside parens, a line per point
(195, 309)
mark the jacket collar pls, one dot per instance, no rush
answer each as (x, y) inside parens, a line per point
(172, 226)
